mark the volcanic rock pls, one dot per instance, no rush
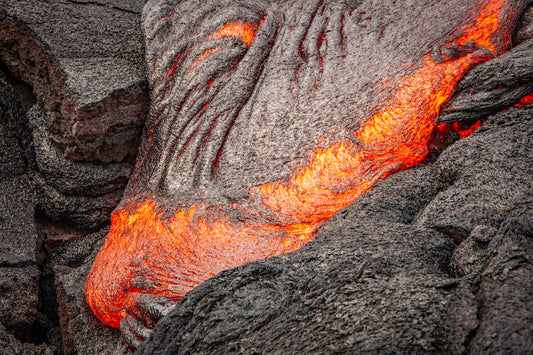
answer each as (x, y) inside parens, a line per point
(19, 301)
(18, 237)
(63, 280)
(11, 159)
(80, 194)
(436, 258)
(82, 332)
(19, 275)
(386, 275)
(84, 61)
(9, 345)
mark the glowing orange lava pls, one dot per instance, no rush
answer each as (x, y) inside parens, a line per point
(148, 251)
(460, 128)
(242, 30)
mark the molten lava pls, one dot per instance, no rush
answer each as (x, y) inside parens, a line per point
(151, 251)
(525, 101)
(241, 30)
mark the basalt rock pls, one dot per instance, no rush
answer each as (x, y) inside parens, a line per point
(266, 118)
(84, 62)
(385, 275)
(436, 258)
(12, 346)
(29, 165)
(19, 275)
(80, 330)
(79, 194)
(65, 270)
(84, 66)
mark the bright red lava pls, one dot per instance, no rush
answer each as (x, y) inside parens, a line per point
(526, 100)
(146, 252)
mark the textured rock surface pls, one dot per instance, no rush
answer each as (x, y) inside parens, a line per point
(9, 345)
(18, 238)
(80, 194)
(82, 332)
(78, 331)
(85, 67)
(84, 61)
(384, 275)
(20, 297)
(29, 258)
(19, 276)
(268, 117)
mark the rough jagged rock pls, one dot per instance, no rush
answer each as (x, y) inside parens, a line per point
(17, 209)
(80, 194)
(76, 330)
(84, 60)
(9, 345)
(19, 298)
(506, 311)
(93, 86)
(384, 275)
(492, 308)
(19, 276)
(11, 159)
(92, 89)
(481, 93)
(82, 332)
(17, 200)
(22, 310)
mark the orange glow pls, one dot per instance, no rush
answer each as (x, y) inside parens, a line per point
(465, 132)
(147, 252)
(179, 252)
(526, 100)
(242, 30)
(204, 55)
(460, 128)
(486, 25)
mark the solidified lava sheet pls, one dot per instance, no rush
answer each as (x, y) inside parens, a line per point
(266, 118)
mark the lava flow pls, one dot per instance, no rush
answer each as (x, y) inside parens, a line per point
(150, 250)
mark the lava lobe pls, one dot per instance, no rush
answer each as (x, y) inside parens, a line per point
(267, 118)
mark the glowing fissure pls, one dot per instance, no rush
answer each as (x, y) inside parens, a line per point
(460, 128)
(525, 101)
(242, 30)
(177, 253)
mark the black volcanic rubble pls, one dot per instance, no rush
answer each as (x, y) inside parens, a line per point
(436, 258)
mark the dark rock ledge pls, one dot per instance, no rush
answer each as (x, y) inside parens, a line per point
(84, 60)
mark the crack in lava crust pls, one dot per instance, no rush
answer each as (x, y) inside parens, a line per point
(151, 250)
